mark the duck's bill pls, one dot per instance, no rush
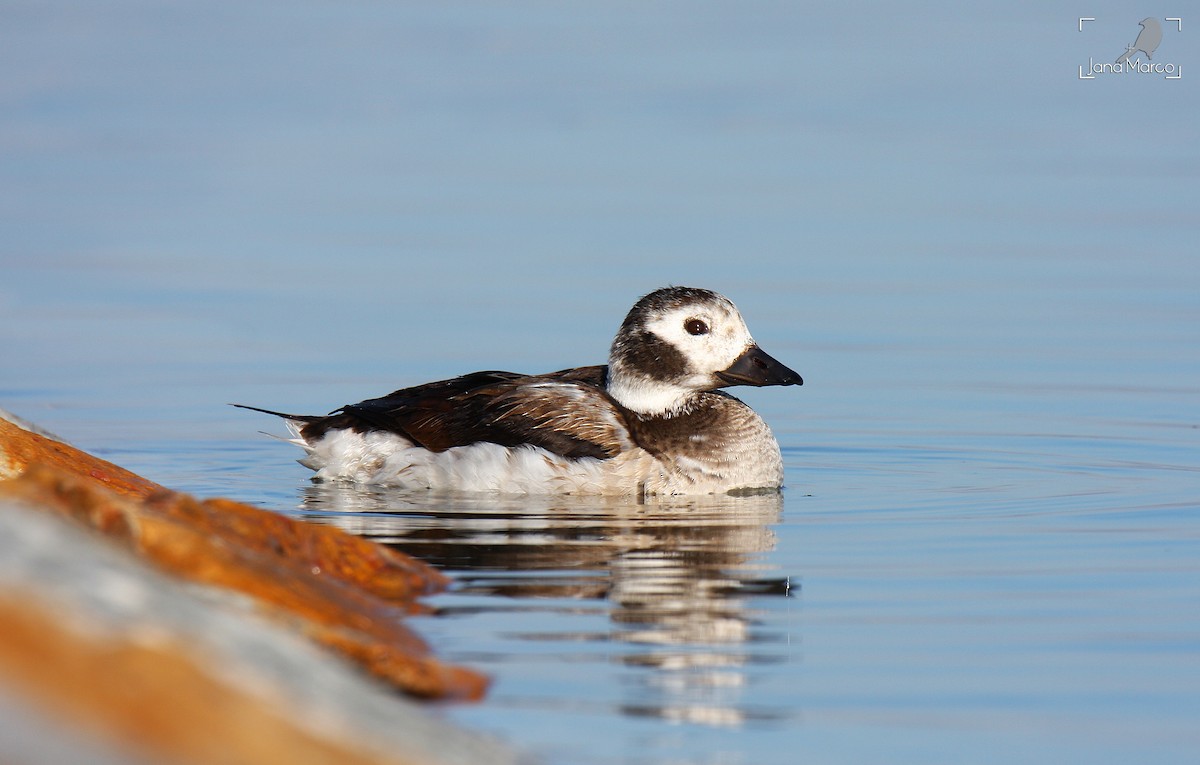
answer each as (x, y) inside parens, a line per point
(757, 367)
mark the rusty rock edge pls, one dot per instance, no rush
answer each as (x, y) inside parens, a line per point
(344, 592)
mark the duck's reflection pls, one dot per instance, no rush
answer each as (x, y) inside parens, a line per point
(675, 574)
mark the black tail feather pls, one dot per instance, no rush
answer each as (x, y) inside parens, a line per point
(296, 417)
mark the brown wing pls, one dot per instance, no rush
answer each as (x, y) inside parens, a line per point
(570, 418)
(567, 413)
(427, 414)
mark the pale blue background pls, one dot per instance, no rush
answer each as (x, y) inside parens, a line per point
(984, 267)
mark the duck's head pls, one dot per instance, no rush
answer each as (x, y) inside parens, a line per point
(678, 341)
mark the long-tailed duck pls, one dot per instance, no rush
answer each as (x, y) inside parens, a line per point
(650, 422)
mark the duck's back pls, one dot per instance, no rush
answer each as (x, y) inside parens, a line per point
(567, 413)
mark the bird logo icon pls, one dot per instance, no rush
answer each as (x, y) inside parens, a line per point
(1147, 40)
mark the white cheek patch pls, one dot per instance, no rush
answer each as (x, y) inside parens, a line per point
(712, 352)
(720, 347)
(732, 345)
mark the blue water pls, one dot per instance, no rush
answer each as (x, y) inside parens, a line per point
(984, 266)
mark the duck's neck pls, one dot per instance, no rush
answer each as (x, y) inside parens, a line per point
(647, 397)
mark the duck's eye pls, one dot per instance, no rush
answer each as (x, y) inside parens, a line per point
(696, 327)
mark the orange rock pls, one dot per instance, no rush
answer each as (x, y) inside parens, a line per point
(368, 565)
(346, 592)
(429, 679)
(20, 448)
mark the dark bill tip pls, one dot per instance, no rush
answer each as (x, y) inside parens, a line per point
(757, 367)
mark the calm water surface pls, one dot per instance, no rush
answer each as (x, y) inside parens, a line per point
(985, 268)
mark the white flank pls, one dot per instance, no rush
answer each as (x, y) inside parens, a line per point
(389, 460)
